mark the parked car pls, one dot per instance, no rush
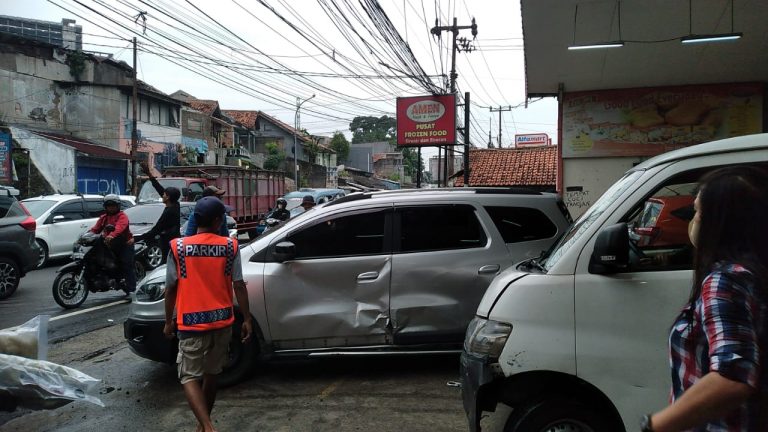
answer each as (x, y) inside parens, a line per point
(144, 216)
(321, 196)
(376, 273)
(18, 250)
(578, 340)
(663, 221)
(61, 218)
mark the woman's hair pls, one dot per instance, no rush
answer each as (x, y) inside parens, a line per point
(173, 193)
(733, 229)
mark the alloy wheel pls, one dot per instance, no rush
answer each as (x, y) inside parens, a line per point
(154, 256)
(9, 278)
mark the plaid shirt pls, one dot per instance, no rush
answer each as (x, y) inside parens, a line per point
(723, 331)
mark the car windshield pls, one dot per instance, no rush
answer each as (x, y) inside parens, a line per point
(37, 207)
(144, 214)
(149, 194)
(586, 220)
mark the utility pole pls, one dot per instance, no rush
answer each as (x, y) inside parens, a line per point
(296, 124)
(490, 142)
(134, 127)
(466, 46)
(466, 139)
(500, 109)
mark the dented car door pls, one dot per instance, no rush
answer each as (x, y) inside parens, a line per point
(334, 290)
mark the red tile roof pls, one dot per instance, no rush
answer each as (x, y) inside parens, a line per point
(206, 106)
(85, 146)
(244, 117)
(535, 166)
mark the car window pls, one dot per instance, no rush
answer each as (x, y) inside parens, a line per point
(345, 235)
(195, 191)
(440, 227)
(144, 214)
(71, 210)
(10, 207)
(184, 212)
(37, 207)
(519, 224)
(94, 208)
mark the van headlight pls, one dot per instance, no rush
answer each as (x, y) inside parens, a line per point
(151, 291)
(486, 338)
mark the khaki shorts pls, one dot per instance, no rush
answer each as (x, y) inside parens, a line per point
(203, 355)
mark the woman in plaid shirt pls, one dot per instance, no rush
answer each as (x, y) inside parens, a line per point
(719, 343)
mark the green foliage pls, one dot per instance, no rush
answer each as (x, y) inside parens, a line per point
(311, 149)
(340, 145)
(76, 62)
(274, 157)
(395, 177)
(371, 129)
(411, 161)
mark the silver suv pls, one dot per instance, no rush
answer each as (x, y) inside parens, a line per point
(374, 273)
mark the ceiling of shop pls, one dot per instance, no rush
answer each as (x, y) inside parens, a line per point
(644, 60)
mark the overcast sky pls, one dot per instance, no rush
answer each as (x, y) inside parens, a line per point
(249, 44)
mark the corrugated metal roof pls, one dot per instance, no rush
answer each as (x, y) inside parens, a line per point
(84, 146)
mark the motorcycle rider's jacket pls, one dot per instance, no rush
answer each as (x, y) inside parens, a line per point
(119, 220)
(204, 273)
(281, 214)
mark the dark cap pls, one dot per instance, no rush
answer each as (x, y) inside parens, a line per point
(213, 191)
(207, 208)
(308, 199)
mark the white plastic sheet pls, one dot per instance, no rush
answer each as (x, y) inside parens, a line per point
(28, 340)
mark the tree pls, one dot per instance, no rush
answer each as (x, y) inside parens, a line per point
(340, 145)
(371, 129)
(274, 157)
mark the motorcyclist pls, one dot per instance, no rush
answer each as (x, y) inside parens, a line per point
(280, 212)
(119, 239)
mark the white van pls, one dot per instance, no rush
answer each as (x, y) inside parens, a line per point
(577, 340)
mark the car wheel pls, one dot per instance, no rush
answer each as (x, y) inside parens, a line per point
(154, 256)
(556, 415)
(242, 356)
(42, 257)
(10, 276)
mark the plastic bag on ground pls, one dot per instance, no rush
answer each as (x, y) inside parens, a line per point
(39, 384)
(28, 340)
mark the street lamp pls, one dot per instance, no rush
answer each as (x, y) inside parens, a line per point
(299, 102)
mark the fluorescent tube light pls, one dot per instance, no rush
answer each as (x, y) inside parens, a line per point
(597, 46)
(710, 38)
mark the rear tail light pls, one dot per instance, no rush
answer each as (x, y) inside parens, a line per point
(29, 223)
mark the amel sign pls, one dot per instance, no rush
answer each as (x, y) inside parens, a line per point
(426, 120)
(531, 140)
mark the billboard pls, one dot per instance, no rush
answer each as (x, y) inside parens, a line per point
(426, 120)
(650, 121)
(531, 140)
(6, 168)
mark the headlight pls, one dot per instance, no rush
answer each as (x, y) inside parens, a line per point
(151, 291)
(486, 338)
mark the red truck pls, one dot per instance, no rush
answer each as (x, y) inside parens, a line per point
(251, 192)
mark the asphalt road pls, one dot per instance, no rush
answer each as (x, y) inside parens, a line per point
(33, 297)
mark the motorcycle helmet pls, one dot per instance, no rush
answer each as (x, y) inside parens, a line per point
(111, 199)
(283, 202)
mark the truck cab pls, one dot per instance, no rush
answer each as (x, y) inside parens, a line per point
(191, 189)
(577, 339)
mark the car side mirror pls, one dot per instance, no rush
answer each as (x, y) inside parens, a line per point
(611, 252)
(284, 251)
(58, 218)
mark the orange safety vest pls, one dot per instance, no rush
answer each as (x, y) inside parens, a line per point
(204, 273)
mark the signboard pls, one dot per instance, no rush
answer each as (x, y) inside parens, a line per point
(531, 140)
(6, 168)
(101, 181)
(426, 120)
(650, 121)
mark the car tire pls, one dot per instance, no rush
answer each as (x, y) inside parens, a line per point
(557, 415)
(10, 276)
(242, 357)
(42, 259)
(154, 256)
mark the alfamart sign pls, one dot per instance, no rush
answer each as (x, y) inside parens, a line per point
(531, 140)
(426, 120)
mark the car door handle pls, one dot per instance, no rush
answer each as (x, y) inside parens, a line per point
(368, 276)
(489, 269)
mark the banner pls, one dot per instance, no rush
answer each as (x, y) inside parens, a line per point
(6, 169)
(650, 121)
(426, 120)
(531, 140)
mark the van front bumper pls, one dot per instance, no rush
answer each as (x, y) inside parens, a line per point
(478, 388)
(146, 339)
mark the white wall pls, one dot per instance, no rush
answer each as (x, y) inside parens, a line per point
(594, 176)
(55, 161)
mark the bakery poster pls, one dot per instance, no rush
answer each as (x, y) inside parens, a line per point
(650, 121)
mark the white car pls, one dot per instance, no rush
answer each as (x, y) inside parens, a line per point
(61, 218)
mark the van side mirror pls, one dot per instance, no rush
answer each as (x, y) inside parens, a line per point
(611, 252)
(284, 251)
(57, 218)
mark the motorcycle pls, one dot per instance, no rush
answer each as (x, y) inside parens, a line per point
(95, 268)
